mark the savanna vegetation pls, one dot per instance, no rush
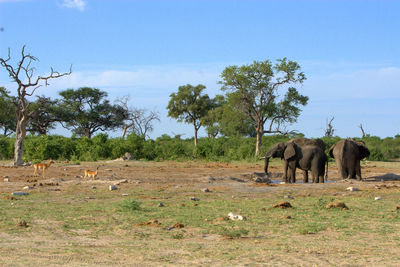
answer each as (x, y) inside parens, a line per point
(102, 147)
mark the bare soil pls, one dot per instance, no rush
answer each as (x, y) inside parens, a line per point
(229, 180)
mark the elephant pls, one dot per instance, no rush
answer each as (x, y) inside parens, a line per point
(307, 158)
(301, 141)
(348, 154)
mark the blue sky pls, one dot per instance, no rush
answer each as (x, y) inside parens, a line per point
(349, 51)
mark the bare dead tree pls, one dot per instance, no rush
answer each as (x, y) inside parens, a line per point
(27, 84)
(138, 120)
(362, 130)
(329, 128)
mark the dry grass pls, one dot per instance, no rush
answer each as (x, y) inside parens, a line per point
(82, 226)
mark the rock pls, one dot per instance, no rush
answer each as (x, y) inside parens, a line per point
(89, 197)
(261, 177)
(378, 198)
(205, 190)
(160, 204)
(352, 189)
(20, 193)
(194, 199)
(5, 176)
(112, 187)
(289, 197)
(236, 217)
(6, 180)
(128, 156)
(27, 187)
(339, 205)
(283, 205)
(124, 194)
(54, 189)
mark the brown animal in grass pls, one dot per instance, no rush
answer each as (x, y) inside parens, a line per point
(89, 173)
(43, 166)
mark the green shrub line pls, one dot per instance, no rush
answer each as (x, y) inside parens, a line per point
(165, 147)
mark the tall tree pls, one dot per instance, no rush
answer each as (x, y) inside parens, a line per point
(257, 87)
(23, 75)
(8, 122)
(189, 105)
(86, 110)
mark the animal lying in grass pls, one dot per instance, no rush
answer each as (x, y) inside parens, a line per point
(43, 166)
(89, 173)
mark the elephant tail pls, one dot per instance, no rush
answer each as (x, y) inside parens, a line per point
(326, 174)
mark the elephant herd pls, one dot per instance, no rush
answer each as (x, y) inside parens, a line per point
(309, 155)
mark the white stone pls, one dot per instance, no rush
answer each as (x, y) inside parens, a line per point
(6, 180)
(352, 189)
(112, 187)
(378, 198)
(27, 187)
(236, 217)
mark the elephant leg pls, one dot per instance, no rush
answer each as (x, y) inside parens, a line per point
(305, 176)
(292, 172)
(358, 171)
(285, 170)
(314, 177)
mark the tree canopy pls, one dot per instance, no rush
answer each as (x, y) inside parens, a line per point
(256, 93)
(86, 111)
(189, 105)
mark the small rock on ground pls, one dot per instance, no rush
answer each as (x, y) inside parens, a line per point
(236, 217)
(194, 199)
(112, 187)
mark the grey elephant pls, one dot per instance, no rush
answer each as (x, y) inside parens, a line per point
(348, 154)
(308, 157)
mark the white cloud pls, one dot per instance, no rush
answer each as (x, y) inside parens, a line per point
(77, 4)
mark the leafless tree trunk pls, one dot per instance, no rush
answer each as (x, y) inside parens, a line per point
(362, 130)
(22, 74)
(136, 119)
(329, 128)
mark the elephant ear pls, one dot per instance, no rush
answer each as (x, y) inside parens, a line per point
(363, 150)
(290, 151)
(331, 151)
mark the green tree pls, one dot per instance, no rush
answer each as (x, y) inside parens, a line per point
(44, 115)
(226, 120)
(257, 87)
(7, 112)
(86, 110)
(189, 105)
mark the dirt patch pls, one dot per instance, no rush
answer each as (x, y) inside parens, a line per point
(338, 205)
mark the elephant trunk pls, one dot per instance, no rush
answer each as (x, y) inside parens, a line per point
(266, 165)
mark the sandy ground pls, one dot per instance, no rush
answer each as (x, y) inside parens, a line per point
(231, 178)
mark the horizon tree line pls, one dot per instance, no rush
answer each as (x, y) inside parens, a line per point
(261, 98)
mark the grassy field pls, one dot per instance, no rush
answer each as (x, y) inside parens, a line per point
(82, 226)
